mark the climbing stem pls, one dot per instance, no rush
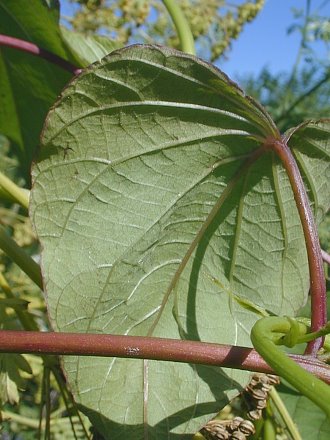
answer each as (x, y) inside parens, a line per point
(284, 413)
(182, 26)
(266, 335)
(316, 270)
(20, 257)
(140, 347)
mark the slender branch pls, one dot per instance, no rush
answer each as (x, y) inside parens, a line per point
(33, 423)
(47, 401)
(20, 257)
(287, 419)
(69, 403)
(17, 193)
(33, 49)
(182, 26)
(316, 271)
(325, 256)
(139, 347)
(14, 417)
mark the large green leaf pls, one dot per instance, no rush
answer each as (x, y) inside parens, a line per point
(311, 421)
(310, 145)
(145, 155)
(29, 85)
(88, 48)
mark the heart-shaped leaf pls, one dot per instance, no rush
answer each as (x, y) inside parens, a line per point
(160, 215)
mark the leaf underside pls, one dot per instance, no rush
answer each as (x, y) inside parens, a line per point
(158, 217)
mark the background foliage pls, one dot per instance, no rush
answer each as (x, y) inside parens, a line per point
(214, 24)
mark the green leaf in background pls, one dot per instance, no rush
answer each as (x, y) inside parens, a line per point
(310, 145)
(311, 421)
(28, 84)
(10, 378)
(8, 166)
(150, 157)
(88, 48)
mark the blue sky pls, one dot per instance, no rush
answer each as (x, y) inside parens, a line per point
(265, 41)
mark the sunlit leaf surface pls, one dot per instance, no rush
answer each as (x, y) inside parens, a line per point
(311, 421)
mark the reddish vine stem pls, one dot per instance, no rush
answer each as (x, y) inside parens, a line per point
(316, 271)
(140, 347)
(35, 50)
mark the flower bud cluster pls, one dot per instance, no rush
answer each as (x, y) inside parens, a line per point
(237, 429)
(256, 393)
(254, 400)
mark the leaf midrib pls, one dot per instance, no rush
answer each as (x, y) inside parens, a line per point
(157, 104)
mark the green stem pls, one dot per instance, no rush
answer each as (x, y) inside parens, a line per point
(34, 423)
(21, 258)
(182, 26)
(18, 194)
(27, 421)
(269, 431)
(47, 402)
(69, 403)
(266, 334)
(287, 419)
(259, 425)
(314, 335)
(41, 406)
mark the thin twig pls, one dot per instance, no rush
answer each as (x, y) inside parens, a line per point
(282, 409)
(325, 256)
(20, 257)
(35, 50)
(18, 194)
